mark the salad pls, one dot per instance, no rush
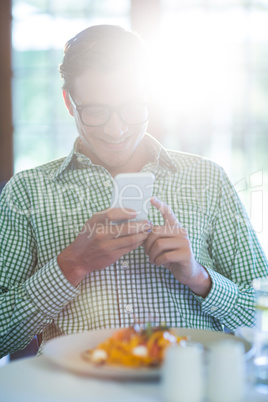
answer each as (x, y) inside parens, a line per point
(134, 347)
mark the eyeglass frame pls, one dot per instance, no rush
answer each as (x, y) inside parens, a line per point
(111, 110)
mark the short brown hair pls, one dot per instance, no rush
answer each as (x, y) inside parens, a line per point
(101, 47)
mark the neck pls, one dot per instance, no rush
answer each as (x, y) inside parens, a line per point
(139, 158)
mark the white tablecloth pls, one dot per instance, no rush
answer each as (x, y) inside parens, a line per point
(36, 379)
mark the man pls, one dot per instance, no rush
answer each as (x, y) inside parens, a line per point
(65, 268)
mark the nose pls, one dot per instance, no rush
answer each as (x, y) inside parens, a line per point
(115, 127)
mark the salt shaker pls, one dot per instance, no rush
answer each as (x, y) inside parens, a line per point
(182, 375)
(226, 372)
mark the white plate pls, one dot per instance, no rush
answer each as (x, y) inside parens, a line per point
(245, 333)
(66, 351)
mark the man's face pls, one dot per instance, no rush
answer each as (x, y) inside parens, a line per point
(113, 145)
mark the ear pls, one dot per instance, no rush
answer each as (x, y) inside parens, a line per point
(68, 102)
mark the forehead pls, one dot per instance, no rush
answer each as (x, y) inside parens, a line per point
(111, 88)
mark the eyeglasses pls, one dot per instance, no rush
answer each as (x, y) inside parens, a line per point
(98, 115)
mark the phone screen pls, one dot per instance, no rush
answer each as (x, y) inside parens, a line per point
(134, 191)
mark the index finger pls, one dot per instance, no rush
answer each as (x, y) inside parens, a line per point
(166, 211)
(116, 214)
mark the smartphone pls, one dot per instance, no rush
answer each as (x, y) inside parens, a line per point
(134, 191)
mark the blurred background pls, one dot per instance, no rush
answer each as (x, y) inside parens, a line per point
(209, 69)
(209, 66)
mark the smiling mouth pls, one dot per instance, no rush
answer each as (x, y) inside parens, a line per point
(120, 141)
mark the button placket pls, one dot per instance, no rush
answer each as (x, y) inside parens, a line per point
(125, 302)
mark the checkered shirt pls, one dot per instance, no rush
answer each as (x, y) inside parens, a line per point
(42, 211)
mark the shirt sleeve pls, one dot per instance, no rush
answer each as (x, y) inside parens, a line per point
(29, 299)
(237, 258)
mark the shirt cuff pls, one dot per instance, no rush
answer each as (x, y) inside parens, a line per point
(222, 297)
(49, 290)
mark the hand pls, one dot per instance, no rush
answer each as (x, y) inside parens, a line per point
(101, 243)
(169, 245)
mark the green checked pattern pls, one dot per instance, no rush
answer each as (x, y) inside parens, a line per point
(42, 211)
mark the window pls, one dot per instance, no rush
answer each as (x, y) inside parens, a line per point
(210, 88)
(213, 90)
(43, 129)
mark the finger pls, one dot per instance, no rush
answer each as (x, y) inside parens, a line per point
(159, 232)
(128, 242)
(169, 257)
(125, 250)
(153, 236)
(133, 246)
(163, 245)
(114, 214)
(181, 257)
(129, 228)
(165, 210)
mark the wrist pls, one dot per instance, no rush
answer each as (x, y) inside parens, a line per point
(69, 267)
(201, 282)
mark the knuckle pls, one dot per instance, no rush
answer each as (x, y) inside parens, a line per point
(144, 234)
(158, 243)
(139, 237)
(166, 259)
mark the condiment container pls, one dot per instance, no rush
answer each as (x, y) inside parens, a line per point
(182, 373)
(226, 372)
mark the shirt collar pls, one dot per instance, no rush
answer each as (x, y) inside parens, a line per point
(161, 157)
(76, 160)
(68, 162)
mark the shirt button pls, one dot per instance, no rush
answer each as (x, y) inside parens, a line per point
(129, 308)
(125, 265)
(107, 183)
(80, 159)
(213, 308)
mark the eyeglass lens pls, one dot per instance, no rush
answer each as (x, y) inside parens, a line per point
(130, 114)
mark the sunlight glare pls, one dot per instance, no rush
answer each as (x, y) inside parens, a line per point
(191, 70)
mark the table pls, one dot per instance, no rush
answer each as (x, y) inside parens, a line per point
(37, 379)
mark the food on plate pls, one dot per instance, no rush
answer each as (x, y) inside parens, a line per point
(134, 347)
